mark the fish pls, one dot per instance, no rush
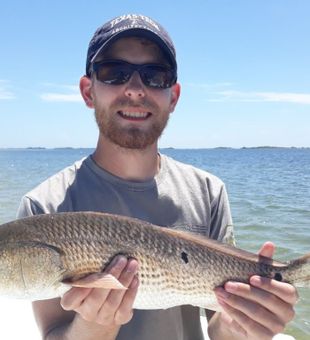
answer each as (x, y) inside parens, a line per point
(43, 256)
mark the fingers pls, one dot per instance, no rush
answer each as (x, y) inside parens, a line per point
(74, 297)
(106, 306)
(245, 304)
(284, 291)
(267, 249)
(116, 301)
(124, 313)
(258, 310)
(261, 309)
(243, 324)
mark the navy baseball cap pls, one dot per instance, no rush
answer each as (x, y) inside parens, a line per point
(130, 25)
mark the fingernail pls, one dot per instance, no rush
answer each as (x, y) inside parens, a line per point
(132, 267)
(119, 261)
(255, 281)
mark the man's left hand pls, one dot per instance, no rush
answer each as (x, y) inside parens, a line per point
(258, 310)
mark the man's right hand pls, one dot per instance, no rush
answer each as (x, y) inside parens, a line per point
(107, 307)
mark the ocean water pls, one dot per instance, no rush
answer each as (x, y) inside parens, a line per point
(269, 192)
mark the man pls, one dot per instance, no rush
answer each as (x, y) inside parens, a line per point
(131, 83)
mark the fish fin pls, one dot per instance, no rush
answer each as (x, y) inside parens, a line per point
(298, 271)
(98, 280)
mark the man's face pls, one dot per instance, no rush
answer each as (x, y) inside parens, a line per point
(132, 115)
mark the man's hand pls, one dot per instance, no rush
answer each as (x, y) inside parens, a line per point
(110, 308)
(259, 310)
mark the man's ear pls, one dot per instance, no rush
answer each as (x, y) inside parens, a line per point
(86, 91)
(175, 94)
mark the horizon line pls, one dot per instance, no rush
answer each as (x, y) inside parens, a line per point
(160, 148)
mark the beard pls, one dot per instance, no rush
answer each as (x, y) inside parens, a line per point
(131, 137)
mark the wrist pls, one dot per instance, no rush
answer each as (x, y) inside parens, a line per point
(82, 329)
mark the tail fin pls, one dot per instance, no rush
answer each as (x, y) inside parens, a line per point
(298, 272)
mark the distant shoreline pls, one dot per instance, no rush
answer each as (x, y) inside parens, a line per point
(34, 148)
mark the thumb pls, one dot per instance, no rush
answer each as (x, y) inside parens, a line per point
(267, 249)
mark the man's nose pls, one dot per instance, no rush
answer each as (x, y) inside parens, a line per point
(135, 87)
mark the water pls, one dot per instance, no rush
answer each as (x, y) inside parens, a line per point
(269, 191)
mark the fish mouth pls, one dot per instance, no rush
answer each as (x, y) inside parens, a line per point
(134, 115)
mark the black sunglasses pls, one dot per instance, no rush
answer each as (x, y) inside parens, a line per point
(117, 72)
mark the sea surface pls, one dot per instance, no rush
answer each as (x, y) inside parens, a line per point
(269, 191)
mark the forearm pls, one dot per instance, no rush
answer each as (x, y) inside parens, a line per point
(80, 329)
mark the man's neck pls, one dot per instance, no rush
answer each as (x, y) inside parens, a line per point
(129, 164)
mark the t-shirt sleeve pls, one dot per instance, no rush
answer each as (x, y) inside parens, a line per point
(221, 220)
(28, 208)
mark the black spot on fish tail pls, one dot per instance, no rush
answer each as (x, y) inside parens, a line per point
(184, 257)
(278, 277)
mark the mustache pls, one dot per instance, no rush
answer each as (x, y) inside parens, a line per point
(143, 103)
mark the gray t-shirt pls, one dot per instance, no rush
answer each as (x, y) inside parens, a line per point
(180, 196)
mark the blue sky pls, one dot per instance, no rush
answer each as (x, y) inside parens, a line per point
(244, 68)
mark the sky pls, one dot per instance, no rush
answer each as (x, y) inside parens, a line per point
(244, 70)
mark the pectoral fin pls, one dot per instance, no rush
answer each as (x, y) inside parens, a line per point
(98, 280)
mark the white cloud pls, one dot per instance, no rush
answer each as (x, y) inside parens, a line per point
(300, 98)
(284, 97)
(61, 86)
(219, 93)
(61, 97)
(64, 93)
(4, 92)
(210, 86)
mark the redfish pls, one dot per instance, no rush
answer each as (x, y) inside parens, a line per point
(43, 256)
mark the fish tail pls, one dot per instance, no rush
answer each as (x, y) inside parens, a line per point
(298, 272)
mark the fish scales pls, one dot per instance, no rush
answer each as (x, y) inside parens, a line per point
(41, 255)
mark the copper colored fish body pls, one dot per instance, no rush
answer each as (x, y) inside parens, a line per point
(43, 256)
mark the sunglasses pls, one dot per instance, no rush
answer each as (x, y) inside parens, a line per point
(117, 72)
